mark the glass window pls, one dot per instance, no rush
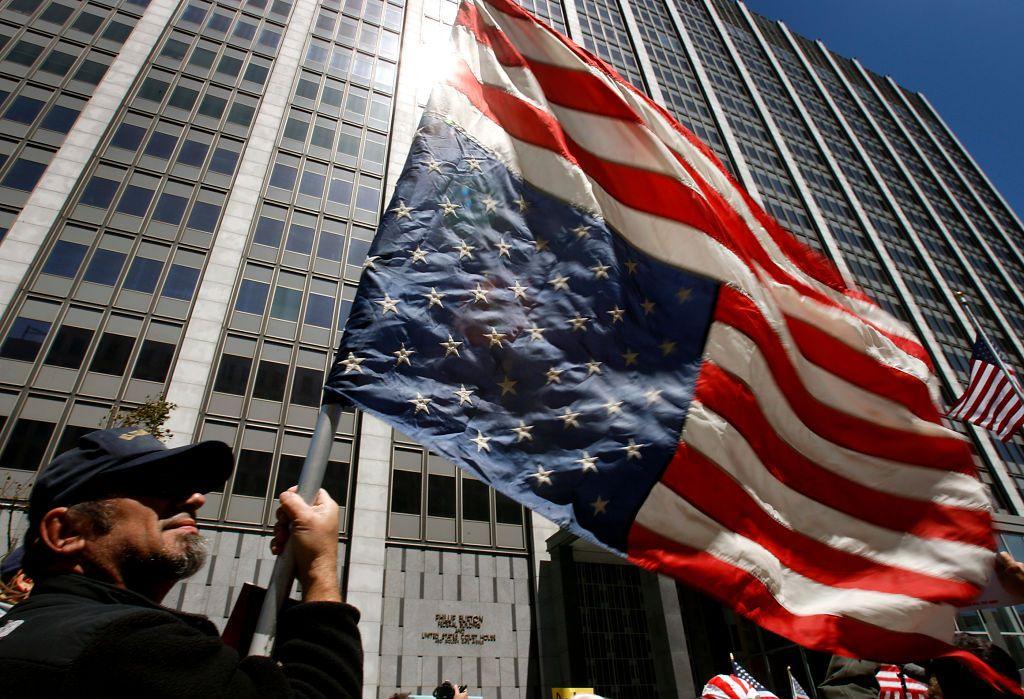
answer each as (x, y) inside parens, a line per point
(24, 109)
(219, 23)
(252, 296)
(255, 73)
(269, 38)
(65, 259)
(161, 145)
(143, 274)
(181, 282)
(312, 184)
(268, 231)
(24, 53)
(283, 176)
(175, 49)
(224, 161)
(117, 32)
(245, 31)
(340, 191)
(183, 98)
(357, 251)
(307, 88)
(368, 198)
(229, 66)
(24, 339)
(154, 361)
(300, 239)
(135, 200)
(87, 23)
(27, 444)
(252, 473)
(154, 89)
(288, 469)
(233, 374)
(241, 114)
(59, 118)
(330, 246)
(212, 106)
(204, 216)
(104, 267)
(202, 58)
(99, 192)
(270, 379)
(440, 495)
(112, 354)
(91, 72)
(319, 310)
(193, 153)
(69, 346)
(286, 303)
(70, 436)
(170, 208)
(296, 126)
(194, 14)
(405, 492)
(507, 510)
(307, 387)
(24, 174)
(476, 501)
(56, 13)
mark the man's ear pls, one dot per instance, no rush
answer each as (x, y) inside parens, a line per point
(61, 532)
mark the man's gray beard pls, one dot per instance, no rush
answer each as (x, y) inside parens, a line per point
(169, 566)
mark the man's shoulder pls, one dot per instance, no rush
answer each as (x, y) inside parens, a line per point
(55, 628)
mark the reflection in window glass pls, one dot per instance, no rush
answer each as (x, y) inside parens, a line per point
(241, 114)
(300, 239)
(224, 161)
(143, 274)
(27, 444)
(170, 208)
(181, 282)
(283, 176)
(104, 267)
(341, 190)
(154, 361)
(270, 379)
(212, 106)
(330, 246)
(440, 495)
(24, 339)
(319, 310)
(252, 473)
(405, 492)
(368, 198)
(99, 192)
(112, 354)
(286, 303)
(69, 346)
(59, 119)
(233, 374)
(135, 200)
(252, 296)
(268, 231)
(65, 259)
(307, 387)
(357, 251)
(204, 216)
(312, 184)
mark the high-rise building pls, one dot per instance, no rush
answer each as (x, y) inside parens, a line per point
(188, 189)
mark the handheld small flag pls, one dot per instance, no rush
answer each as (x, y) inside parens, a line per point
(891, 683)
(758, 690)
(794, 687)
(726, 687)
(993, 398)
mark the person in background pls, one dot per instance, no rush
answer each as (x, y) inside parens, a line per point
(112, 528)
(951, 679)
(14, 584)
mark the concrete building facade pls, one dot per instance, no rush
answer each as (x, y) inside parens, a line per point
(188, 190)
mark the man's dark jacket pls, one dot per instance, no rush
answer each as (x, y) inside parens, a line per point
(76, 637)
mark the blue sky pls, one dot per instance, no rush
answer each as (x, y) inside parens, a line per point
(966, 56)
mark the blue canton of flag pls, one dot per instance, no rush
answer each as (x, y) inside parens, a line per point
(795, 689)
(522, 339)
(760, 691)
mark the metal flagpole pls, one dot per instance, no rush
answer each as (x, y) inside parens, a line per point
(995, 350)
(310, 480)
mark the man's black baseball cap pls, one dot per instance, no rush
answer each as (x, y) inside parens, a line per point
(127, 461)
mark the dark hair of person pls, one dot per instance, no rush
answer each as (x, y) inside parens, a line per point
(98, 515)
(956, 679)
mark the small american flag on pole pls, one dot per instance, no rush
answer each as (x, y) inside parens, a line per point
(757, 690)
(795, 689)
(992, 399)
(570, 297)
(893, 684)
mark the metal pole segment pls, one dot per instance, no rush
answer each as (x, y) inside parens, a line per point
(310, 480)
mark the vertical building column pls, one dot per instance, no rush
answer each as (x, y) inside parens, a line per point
(966, 183)
(572, 21)
(945, 371)
(644, 61)
(970, 158)
(1007, 328)
(827, 239)
(721, 118)
(18, 249)
(192, 372)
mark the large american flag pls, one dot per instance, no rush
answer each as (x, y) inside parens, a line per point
(571, 298)
(992, 399)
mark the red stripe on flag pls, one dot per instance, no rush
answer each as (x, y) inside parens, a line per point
(749, 596)
(736, 403)
(844, 429)
(701, 482)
